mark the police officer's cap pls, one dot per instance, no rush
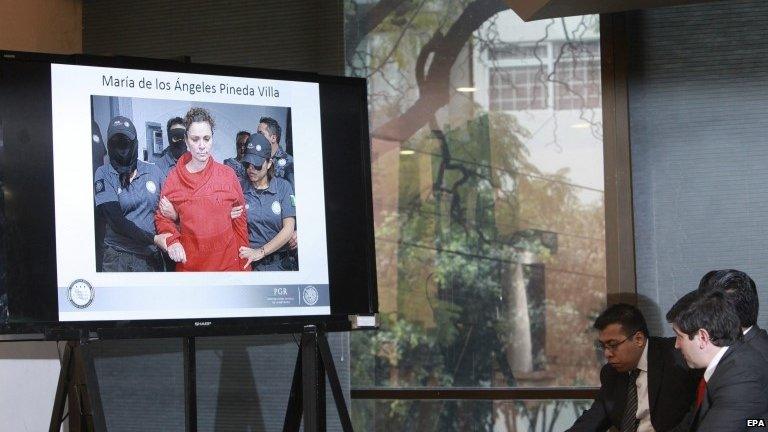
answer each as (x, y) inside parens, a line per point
(257, 150)
(121, 125)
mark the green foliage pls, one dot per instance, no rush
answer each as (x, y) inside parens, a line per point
(456, 240)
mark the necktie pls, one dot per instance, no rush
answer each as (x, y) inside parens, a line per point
(700, 391)
(629, 420)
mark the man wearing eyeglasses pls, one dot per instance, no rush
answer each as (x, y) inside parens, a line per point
(646, 386)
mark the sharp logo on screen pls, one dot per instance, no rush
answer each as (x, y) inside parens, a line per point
(280, 291)
(202, 323)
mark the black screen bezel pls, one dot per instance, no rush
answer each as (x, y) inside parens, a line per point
(349, 215)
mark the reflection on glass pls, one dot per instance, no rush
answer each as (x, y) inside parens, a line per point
(446, 416)
(488, 196)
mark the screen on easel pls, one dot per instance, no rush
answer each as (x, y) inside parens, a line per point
(146, 191)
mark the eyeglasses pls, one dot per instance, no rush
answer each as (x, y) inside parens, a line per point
(612, 346)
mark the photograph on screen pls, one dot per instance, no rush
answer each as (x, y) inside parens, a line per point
(179, 195)
(190, 186)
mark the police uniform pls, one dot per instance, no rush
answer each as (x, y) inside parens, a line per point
(283, 165)
(237, 166)
(138, 202)
(130, 208)
(166, 162)
(266, 209)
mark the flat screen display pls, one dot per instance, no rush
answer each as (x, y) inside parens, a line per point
(140, 191)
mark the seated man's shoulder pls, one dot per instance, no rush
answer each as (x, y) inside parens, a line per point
(759, 341)
(746, 356)
(664, 346)
(668, 343)
(608, 374)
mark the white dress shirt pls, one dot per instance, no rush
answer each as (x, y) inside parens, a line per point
(713, 364)
(643, 402)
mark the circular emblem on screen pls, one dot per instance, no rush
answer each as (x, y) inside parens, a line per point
(126, 124)
(310, 295)
(276, 207)
(151, 186)
(96, 138)
(281, 162)
(258, 147)
(247, 206)
(80, 293)
(119, 190)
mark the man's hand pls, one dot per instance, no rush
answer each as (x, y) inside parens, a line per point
(293, 242)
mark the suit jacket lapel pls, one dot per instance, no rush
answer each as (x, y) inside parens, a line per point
(620, 396)
(655, 373)
(751, 333)
(712, 383)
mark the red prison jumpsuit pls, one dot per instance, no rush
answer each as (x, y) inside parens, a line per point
(203, 201)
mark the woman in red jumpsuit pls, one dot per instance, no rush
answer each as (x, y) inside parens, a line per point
(203, 192)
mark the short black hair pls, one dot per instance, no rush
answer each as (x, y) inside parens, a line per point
(273, 127)
(706, 280)
(630, 318)
(710, 311)
(172, 122)
(739, 289)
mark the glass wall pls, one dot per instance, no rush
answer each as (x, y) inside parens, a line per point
(486, 137)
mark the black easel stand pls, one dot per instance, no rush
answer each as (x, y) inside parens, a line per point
(190, 384)
(307, 398)
(77, 383)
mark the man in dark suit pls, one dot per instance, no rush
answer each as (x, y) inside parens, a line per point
(741, 291)
(645, 386)
(732, 389)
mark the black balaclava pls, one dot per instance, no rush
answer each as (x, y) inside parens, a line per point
(176, 144)
(123, 154)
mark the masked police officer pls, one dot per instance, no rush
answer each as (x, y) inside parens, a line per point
(176, 145)
(126, 194)
(235, 162)
(271, 210)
